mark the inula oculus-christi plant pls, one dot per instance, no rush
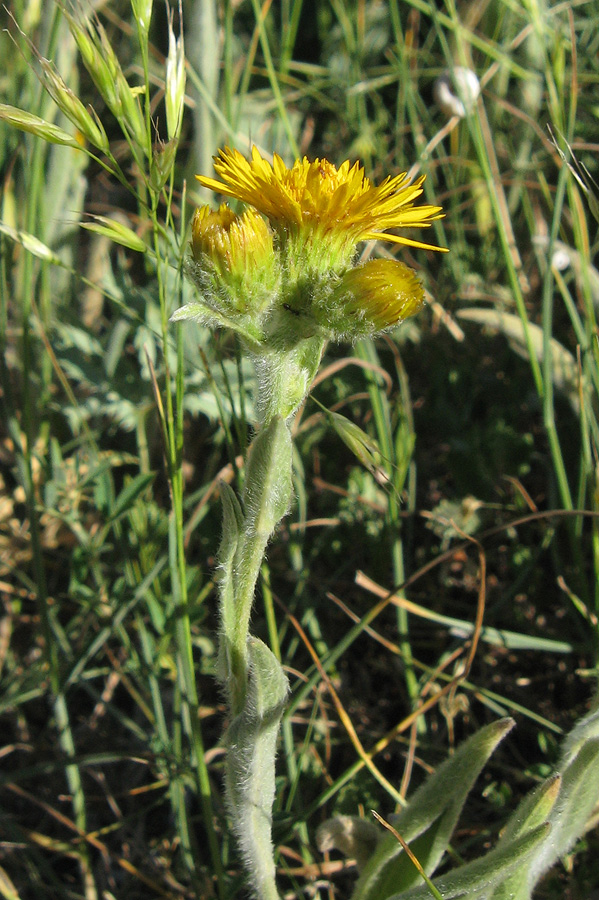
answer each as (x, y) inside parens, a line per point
(283, 275)
(281, 270)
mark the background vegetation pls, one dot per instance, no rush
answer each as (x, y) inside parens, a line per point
(116, 429)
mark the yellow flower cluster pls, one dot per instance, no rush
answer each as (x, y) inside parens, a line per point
(287, 264)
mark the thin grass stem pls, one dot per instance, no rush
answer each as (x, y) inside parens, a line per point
(382, 419)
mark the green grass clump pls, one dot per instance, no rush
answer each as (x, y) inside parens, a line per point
(475, 491)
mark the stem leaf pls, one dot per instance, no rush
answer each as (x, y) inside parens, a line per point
(429, 819)
(251, 741)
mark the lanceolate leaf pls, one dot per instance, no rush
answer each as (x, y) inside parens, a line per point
(429, 819)
(251, 741)
(479, 879)
(533, 811)
(232, 526)
(566, 801)
(578, 797)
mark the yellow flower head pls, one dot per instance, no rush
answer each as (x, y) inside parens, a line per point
(234, 262)
(315, 201)
(234, 243)
(375, 297)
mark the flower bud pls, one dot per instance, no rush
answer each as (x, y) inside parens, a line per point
(372, 298)
(238, 249)
(236, 270)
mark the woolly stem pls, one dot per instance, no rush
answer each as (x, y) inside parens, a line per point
(256, 686)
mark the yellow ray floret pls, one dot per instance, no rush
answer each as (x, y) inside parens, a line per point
(319, 197)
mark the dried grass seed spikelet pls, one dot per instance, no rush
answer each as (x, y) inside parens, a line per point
(47, 131)
(142, 11)
(101, 62)
(174, 82)
(84, 118)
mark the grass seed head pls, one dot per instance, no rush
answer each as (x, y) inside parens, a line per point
(85, 119)
(174, 95)
(26, 121)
